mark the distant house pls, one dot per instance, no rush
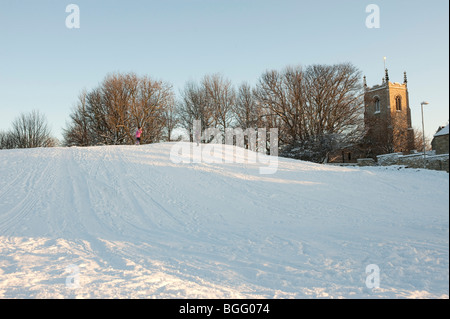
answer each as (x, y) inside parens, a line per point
(349, 154)
(440, 141)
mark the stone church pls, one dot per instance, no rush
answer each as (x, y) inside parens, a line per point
(387, 121)
(387, 117)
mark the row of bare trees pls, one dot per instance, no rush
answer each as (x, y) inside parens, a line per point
(315, 109)
(28, 130)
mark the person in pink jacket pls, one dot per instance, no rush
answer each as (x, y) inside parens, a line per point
(138, 135)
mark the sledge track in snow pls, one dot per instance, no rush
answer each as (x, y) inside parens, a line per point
(31, 176)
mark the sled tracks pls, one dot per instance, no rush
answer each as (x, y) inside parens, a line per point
(34, 182)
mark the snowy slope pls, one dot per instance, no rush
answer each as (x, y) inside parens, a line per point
(127, 222)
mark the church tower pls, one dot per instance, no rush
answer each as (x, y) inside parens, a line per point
(387, 117)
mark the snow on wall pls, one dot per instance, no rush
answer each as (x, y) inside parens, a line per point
(432, 161)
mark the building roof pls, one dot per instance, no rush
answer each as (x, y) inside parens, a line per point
(443, 131)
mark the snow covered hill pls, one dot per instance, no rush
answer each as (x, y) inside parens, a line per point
(127, 222)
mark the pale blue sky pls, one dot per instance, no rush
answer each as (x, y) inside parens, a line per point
(44, 65)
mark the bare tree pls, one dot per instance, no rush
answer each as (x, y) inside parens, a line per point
(171, 119)
(31, 130)
(116, 93)
(211, 101)
(334, 99)
(281, 95)
(221, 98)
(6, 140)
(318, 108)
(149, 106)
(111, 113)
(246, 110)
(418, 141)
(79, 131)
(194, 106)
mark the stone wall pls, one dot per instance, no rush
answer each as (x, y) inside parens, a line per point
(432, 161)
(389, 159)
(366, 162)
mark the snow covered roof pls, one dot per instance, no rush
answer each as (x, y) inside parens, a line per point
(443, 131)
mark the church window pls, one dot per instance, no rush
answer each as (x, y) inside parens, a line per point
(398, 103)
(377, 105)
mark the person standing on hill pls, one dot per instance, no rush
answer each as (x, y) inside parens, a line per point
(138, 135)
